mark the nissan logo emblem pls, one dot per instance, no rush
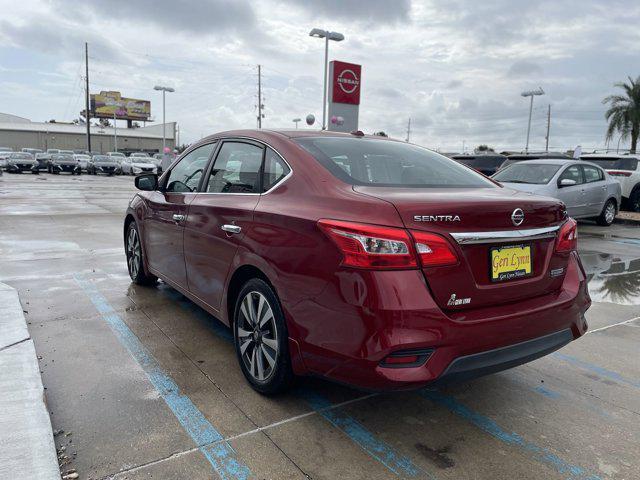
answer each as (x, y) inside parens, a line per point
(517, 217)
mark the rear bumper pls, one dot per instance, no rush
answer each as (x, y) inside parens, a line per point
(484, 363)
(395, 312)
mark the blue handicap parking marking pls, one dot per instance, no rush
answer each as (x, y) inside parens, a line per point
(221, 456)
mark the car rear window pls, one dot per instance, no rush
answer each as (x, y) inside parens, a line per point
(385, 163)
(608, 163)
(539, 174)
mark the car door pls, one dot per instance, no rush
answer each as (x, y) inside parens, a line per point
(167, 211)
(220, 216)
(572, 195)
(595, 189)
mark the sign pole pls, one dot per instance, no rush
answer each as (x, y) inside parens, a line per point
(115, 133)
(87, 114)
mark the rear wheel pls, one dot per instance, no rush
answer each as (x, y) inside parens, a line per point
(261, 339)
(135, 260)
(608, 213)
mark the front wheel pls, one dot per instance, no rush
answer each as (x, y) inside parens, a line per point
(261, 339)
(634, 200)
(608, 214)
(135, 260)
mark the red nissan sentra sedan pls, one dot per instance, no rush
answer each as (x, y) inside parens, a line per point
(361, 259)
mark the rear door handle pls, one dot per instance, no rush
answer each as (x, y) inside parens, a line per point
(231, 228)
(179, 218)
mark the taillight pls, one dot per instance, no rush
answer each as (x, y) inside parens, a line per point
(433, 250)
(370, 246)
(617, 173)
(567, 239)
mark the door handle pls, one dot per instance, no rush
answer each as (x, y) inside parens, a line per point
(179, 218)
(231, 228)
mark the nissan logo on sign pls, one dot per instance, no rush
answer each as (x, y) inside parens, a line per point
(346, 82)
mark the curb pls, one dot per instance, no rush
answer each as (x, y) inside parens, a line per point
(27, 449)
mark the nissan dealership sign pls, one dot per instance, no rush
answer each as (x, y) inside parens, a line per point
(344, 96)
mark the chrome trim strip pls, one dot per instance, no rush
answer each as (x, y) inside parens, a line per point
(465, 238)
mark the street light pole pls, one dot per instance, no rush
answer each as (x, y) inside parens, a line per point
(327, 35)
(530, 93)
(115, 133)
(164, 137)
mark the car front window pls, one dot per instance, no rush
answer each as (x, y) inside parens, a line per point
(185, 176)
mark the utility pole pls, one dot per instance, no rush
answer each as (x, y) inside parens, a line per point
(530, 93)
(548, 127)
(259, 97)
(115, 133)
(86, 111)
(408, 130)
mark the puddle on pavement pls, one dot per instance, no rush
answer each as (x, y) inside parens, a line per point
(612, 278)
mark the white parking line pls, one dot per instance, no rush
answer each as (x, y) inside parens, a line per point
(626, 322)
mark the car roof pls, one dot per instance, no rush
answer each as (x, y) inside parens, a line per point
(549, 161)
(612, 156)
(287, 133)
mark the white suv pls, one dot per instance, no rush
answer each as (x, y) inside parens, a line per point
(623, 168)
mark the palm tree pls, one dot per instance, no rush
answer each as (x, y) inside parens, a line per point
(623, 114)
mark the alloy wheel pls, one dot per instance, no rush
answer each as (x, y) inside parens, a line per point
(133, 253)
(610, 212)
(257, 336)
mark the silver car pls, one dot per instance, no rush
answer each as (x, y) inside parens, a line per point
(586, 189)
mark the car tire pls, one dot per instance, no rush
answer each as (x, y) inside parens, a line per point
(608, 214)
(135, 258)
(634, 200)
(261, 338)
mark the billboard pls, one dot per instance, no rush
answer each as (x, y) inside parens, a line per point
(344, 96)
(108, 104)
(346, 79)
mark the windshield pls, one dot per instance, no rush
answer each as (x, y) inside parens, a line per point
(116, 154)
(362, 161)
(539, 173)
(83, 157)
(65, 158)
(140, 160)
(21, 156)
(608, 163)
(102, 158)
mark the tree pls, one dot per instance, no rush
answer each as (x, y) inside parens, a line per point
(623, 114)
(483, 149)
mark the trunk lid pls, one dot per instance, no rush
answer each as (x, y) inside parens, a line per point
(455, 213)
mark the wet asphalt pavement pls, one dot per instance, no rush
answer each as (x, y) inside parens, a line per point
(144, 384)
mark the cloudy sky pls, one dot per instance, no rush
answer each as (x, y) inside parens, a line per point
(456, 67)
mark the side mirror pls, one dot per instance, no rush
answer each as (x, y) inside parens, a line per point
(566, 182)
(147, 182)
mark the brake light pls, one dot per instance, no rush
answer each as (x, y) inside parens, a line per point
(370, 246)
(567, 240)
(617, 173)
(433, 250)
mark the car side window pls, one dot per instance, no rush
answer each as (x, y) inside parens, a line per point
(592, 174)
(275, 169)
(572, 173)
(236, 169)
(185, 176)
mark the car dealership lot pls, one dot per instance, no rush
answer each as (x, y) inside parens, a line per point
(144, 383)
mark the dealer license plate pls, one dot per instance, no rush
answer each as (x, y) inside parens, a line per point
(510, 263)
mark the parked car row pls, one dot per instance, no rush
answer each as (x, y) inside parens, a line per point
(57, 161)
(623, 169)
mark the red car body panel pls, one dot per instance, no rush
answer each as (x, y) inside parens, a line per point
(343, 321)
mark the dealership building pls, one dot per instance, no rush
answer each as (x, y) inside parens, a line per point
(17, 133)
